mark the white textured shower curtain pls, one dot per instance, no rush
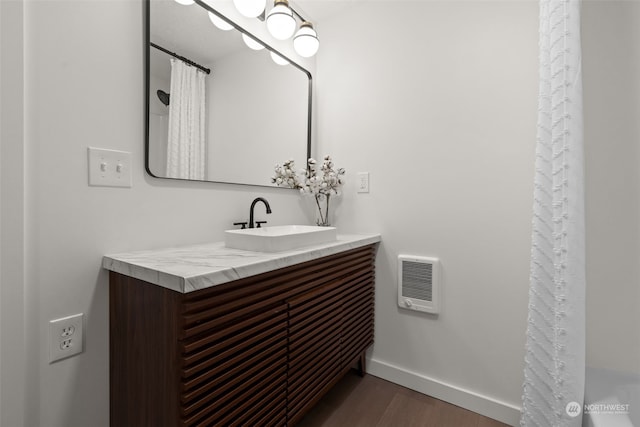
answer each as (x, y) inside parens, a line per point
(186, 146)
(555, 349)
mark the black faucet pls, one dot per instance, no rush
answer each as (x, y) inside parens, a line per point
(253, 205)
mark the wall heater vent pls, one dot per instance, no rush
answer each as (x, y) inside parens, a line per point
(419, 283)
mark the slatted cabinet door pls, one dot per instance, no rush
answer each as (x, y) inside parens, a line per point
(234, 357)
(357, 328)
(315, 319)
(235, 374)
(330, 328)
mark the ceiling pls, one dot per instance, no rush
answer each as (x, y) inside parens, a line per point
(320, 10)
(188, 32)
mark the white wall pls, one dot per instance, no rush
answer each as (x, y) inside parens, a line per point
(611, 64)
(272, 98)
(12, 181)
(84, 87)
(438, 101)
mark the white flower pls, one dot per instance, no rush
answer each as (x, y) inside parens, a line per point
(320, 183)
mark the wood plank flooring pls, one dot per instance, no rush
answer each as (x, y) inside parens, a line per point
(373, 402)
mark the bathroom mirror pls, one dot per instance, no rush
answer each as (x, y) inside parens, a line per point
(231, 125)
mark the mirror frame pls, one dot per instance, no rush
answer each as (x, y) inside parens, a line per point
(146, 4)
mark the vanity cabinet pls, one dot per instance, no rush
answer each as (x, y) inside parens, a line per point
(258, 351)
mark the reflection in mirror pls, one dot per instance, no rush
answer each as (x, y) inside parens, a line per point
(231, 124)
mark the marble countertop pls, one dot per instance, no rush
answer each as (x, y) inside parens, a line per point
(190, 268)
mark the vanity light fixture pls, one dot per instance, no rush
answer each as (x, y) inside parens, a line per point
(279, 59)
(280, 21)
(251, 43)
(220, 23)
(306, 42)
(250, 8)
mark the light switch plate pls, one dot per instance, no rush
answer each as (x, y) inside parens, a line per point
(109, 168)
(363, 182)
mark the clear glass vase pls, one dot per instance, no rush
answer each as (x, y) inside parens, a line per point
(322, 217)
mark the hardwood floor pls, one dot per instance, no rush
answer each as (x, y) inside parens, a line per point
(374, 402)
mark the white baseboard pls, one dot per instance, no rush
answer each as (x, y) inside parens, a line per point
(484, 405)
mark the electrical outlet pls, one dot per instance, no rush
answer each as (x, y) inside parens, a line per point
(65, 337)
(68, 331)
(363, 182)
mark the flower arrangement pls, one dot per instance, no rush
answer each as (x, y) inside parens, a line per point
(321, 183)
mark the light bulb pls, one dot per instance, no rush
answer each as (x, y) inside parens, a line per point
(219, 22)
(280, 21)
(250, 8)
(305, 42)
(279, 59)
(185, 2)
(251, 43)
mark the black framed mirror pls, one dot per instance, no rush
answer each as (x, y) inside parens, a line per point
(218, 110)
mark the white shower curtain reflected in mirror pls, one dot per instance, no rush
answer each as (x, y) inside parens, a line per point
(186, 143)
(555, 348)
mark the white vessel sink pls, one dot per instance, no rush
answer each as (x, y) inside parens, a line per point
(278, 238)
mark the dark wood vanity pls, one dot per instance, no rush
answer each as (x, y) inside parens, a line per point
(258, 351)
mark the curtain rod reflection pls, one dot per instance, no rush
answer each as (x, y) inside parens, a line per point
(182, 58)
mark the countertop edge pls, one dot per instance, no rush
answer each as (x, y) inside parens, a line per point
(234, 264)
